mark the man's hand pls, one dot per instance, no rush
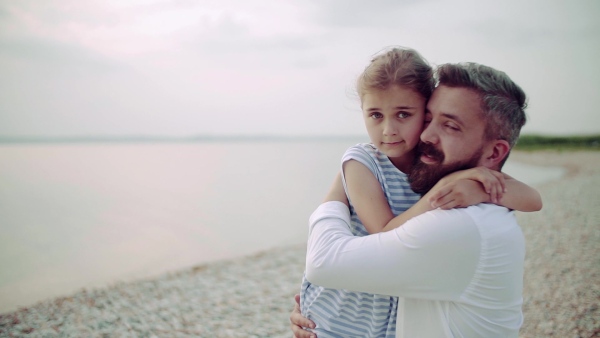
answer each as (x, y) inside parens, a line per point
(298, 322)
(336, 192)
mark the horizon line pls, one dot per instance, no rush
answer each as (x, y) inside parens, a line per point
(174, 139)
(211, 138)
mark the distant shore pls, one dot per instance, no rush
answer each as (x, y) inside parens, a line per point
(252, 296)
(526, 142)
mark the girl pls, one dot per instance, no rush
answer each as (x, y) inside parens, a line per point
(393, 90)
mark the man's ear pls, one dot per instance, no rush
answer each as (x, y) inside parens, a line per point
(497, 151)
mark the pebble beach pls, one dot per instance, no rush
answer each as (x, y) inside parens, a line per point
(253, 296)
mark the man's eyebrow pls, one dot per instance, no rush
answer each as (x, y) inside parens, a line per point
(453, 117)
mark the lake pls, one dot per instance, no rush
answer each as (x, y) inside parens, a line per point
(90, 214)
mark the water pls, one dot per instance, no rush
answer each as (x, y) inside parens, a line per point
(87, 215)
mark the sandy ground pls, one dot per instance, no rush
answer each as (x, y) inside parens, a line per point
(252, 296)
(562, 267)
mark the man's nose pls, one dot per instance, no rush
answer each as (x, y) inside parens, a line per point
(429, 134)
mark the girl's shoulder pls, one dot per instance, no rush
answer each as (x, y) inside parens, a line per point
(367, 150)
(362, 149)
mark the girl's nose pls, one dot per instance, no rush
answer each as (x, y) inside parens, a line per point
(390, 129)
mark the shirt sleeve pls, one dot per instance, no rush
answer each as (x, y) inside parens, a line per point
(432, 256)
(359, 153)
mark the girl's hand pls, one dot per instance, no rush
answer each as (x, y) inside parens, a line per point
(493, 182)
(458, 194)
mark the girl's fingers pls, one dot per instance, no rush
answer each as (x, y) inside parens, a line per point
(436, 199)
(447, 205)
(501, 187)
(497, 186)
(501, 180)
(448, 201)
(494, 194)
(499, 194)
(486, 182)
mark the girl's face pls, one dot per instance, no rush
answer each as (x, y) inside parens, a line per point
(394, 121)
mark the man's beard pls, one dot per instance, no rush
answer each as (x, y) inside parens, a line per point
(424, 176)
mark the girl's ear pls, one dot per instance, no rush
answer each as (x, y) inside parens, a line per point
(497, 151)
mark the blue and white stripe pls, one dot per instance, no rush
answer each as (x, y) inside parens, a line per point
(342, 313)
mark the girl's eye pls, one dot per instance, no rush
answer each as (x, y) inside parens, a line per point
(376, 115)
(403, 115)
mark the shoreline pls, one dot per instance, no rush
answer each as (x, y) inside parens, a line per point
(253, 295)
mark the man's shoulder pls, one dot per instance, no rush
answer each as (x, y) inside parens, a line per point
(487, 210)
(481, 221)
(491, 219)
(443, 220)
(479, 214)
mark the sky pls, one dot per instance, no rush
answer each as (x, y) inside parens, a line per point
(73, 68)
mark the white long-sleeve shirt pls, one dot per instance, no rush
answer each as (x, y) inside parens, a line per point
(458, 273)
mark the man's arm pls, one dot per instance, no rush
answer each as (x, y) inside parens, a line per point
(432, 256)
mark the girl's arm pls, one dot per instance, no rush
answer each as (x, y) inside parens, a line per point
(466, 187)
(460, 189)
(371, 204)
(373, 210)
(473, 186)
(366, 196)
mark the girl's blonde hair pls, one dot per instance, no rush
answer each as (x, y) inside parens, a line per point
(399, 66)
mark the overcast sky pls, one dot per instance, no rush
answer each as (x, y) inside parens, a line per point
(183, 67)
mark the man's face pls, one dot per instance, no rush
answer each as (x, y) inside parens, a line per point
(453, 138)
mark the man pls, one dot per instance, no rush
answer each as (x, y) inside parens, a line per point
(458, 272)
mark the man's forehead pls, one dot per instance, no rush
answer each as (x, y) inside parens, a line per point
(455, 100)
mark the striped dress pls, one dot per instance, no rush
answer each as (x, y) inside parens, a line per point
(341, 313)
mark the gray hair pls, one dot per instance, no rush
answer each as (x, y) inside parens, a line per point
(503, 102)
